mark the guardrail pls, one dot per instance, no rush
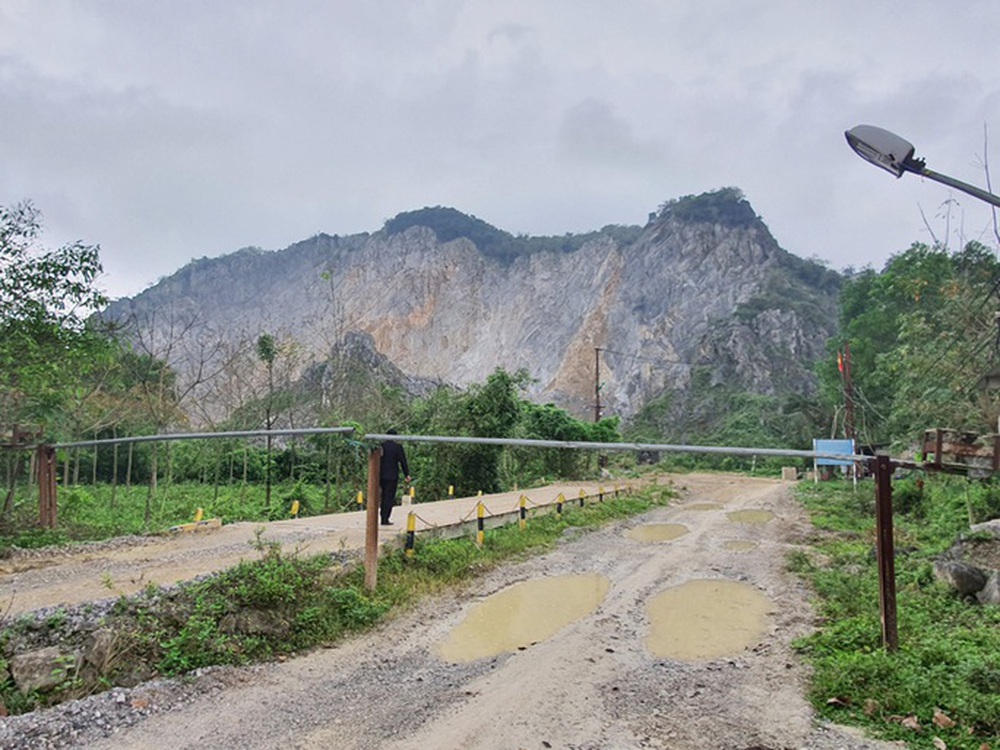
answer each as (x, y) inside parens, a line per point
(883, 468)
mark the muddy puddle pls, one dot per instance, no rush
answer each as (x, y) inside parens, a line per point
(657, 532)
(750, 516)
(701, 506)
(739, 545)
(522, 615)
(706, 619)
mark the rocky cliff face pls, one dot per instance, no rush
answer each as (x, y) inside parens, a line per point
(692, 287)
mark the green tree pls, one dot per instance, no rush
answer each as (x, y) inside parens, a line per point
(46, 297)
(46, 343)
(922, 334)
(267, 352)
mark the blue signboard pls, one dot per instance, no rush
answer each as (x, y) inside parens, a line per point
(845, 447)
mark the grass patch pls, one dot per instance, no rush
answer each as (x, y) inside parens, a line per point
(280, 603)
(98, 512)
(945, 678)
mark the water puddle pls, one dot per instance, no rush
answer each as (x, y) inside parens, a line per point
(657, 532)
(704, 619)
(701, 506)
(523, 614)
(739, 545)
(750, 516)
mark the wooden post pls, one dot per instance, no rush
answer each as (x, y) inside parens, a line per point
(46, 462)
(371, 520)
(885, 552)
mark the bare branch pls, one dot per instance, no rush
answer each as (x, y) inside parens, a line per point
(927, 225)
(989, 183)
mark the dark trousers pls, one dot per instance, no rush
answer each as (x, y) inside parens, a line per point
(388, 497)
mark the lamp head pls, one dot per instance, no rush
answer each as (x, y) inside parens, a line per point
(883, 149)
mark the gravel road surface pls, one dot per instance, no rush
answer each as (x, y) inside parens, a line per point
(596, 683)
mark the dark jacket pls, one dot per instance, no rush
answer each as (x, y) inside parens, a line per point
(393, 459)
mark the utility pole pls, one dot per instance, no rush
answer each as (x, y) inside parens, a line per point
(597, 384)
(845, 370)
(602, 458)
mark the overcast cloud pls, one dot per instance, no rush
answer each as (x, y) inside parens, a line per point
(166, 131)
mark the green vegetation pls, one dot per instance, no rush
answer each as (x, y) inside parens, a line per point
(949, 656)
(450, 224)
(286, 602)
(106, 492)
(921, 334)
(717, 413)
(726, 207)
(793, 286)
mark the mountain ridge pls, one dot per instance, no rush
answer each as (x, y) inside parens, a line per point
(703, 283)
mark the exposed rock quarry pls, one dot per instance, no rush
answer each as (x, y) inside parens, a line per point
(703, 284)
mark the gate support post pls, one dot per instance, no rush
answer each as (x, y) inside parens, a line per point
(371, 519)
(885, 552)
(46, 467)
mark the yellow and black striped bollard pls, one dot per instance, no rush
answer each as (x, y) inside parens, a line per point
(523, 502)
(559, 503)
(411, 532)
(480, 515)
(583, 497)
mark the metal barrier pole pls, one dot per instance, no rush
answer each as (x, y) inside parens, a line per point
(885, 552)
(371, 525)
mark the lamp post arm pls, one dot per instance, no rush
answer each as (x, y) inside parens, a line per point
(917, 167)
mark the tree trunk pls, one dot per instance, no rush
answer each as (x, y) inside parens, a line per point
(246, 469)
(326, 485)
(151, 493)
(114, 473)
(217, 473)
(128, 468)
(13, 469)
(267, 476)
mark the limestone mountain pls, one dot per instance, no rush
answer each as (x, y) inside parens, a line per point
(702, 289)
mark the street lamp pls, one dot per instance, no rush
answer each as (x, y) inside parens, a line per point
(894, 154)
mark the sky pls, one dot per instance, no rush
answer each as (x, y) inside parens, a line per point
(167, 131)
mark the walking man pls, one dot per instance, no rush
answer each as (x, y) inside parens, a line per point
(393, 459)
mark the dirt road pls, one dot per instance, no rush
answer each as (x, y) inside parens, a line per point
(32, 580)
(598, 682)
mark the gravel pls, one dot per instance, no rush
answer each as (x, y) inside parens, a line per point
(593, 685)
